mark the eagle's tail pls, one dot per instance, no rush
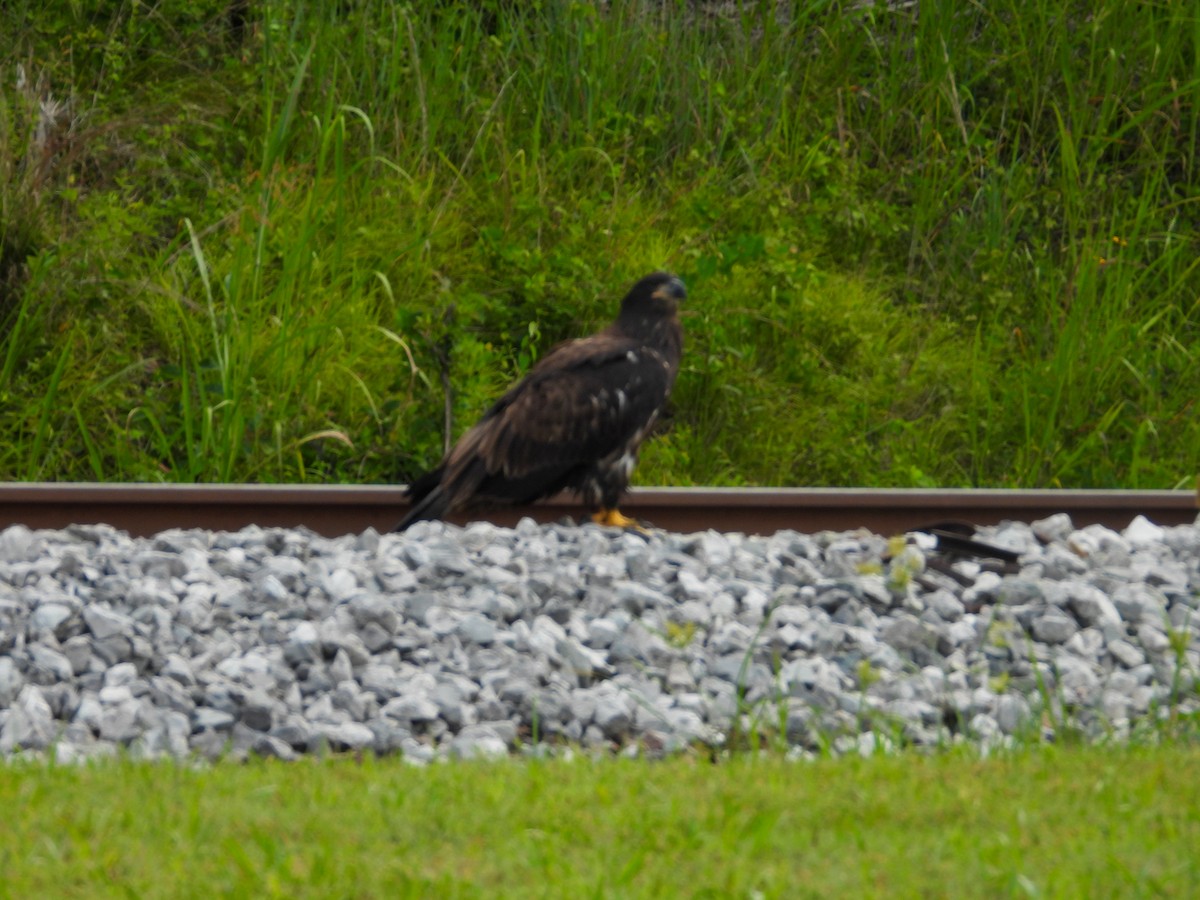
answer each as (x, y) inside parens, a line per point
(447, 489)
(430, 499)
(432, 506)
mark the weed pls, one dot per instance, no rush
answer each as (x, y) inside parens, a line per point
(679, 634)
(1183, 683)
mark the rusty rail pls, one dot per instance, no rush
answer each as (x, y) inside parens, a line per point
(144, 509)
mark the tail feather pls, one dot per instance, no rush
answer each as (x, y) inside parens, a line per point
(432, 506)
(428, 497)
(444, 490)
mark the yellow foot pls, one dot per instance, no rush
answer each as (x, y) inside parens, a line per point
(614, 519)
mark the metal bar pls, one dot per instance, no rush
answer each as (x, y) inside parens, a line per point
(145, 509)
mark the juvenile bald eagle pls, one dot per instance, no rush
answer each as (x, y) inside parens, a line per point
(574, 422)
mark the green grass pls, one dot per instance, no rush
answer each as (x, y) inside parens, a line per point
(1046, 822)
(948, 249)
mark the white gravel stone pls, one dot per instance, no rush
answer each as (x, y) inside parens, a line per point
(49, 617)
(1091, 605)
(30, 724)
(477, 628)
(1053, 529)
(47, 665)
(11, 681)
(1013, 713)
(1054, 627)
(105, 623)
(1141, 532)
(1126, 653)
(120, 675)
(346, 735)
(452, 642)
(411, 709)
(17, 545)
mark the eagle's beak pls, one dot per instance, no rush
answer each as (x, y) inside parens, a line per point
(672, 290)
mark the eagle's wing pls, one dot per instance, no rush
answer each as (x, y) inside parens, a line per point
(583, 402)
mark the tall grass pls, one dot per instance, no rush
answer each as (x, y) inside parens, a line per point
(955, 247)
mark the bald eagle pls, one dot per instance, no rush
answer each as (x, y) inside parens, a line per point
(574, 422)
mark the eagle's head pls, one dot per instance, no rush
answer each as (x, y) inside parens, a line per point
(658, 295)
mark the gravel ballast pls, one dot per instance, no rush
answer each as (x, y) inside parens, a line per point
(478, 642)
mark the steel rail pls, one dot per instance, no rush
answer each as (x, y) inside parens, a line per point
(146, 509)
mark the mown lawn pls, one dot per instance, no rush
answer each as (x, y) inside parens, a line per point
(1042, 822)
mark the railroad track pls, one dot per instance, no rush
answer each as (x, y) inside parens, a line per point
(145, 509)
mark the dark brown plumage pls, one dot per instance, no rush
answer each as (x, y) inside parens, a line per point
(574, 422)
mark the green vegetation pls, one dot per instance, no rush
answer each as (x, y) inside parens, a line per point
(1051, 822)
(262, 241)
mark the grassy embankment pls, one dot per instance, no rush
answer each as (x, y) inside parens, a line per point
(1105, 822)
(954, 249)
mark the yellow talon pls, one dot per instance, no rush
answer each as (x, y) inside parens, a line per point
(614, 519)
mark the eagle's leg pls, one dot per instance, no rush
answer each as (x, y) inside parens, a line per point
(612, 517)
